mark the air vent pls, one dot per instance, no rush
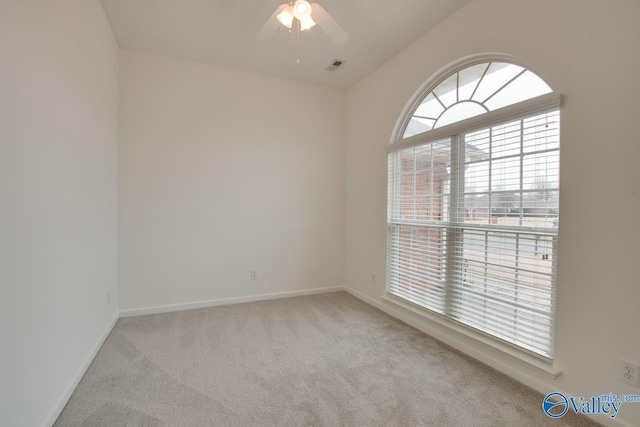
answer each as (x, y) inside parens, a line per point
(335, 64)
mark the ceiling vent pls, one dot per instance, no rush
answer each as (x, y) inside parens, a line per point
(335, 64)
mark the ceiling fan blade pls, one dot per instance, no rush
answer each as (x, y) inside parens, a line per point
(328, 24)
(271, 26)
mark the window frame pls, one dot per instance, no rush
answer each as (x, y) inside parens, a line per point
(523, 109)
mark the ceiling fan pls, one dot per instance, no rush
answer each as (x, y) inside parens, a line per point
(308, 15)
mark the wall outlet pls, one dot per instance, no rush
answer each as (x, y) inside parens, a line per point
(629, 373)
(253, 275)
(373, 278)
(108, 297)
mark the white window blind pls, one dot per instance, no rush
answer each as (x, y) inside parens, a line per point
(472, 227)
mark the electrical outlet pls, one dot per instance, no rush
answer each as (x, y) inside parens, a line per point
(108, 297)
(629, 373)
(253, 275)
(373, 279)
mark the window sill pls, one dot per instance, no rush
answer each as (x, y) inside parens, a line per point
(538, 364)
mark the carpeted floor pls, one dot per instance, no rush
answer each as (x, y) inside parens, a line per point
(322, 360)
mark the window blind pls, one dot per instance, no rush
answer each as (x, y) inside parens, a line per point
(472, 227)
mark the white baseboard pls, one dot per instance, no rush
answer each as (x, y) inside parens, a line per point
(72, 387)
(473, 351)
(225, 301)
(165, 309)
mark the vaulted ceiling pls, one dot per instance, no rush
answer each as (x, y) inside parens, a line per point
(224, 32)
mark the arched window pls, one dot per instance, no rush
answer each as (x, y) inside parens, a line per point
(473, 200)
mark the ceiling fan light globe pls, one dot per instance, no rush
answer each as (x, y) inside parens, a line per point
(302, 9)
(286, 17)
(306, 23)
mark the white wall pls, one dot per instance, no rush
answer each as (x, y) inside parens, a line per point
(222, 171)
(588, 51)
(58, 195)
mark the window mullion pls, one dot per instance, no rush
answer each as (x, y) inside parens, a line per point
(415, 183)
(521, 172)
(454, 233)
(490, 175)
(516, 283)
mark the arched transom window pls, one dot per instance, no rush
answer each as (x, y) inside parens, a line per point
(473, 198)
(473, 91)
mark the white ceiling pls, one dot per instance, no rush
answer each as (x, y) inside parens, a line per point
(223, 32)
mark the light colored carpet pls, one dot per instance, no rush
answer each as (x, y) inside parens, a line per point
(322, 360)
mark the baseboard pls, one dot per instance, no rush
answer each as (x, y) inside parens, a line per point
(72, 387)
(225, 301)
(165, 309)
(540, 386)
(506, 366)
